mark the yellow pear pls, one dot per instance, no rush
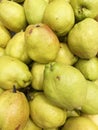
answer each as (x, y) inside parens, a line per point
(14, 110)
(12, 15)
(45, 114)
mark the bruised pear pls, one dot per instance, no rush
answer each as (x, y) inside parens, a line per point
(12, 15)
(16, 47)
(64, 85)
(14, 110)
(42, 43)
(13, 72)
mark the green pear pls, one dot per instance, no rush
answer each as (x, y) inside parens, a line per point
(13, 72)
(79, 123)
(12, 15)
(5, 36)
(59, 16)
(63, 85)
(84, 8)
(83, 38)
(90, 105)
(42, 43)
(14, 110)
(30, 125)
(37, 71)
(89, 68)
(16, 47)
(65, 55)
(45, 114)
(34, 10)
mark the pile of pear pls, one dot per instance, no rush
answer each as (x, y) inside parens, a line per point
(48, 65)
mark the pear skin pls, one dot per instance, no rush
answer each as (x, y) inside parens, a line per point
(63, 85)
(48, 115)
(30, 125)
(17, 20)
(59, 16)
(5, 36)
(79, 123)
(42, 43)
(14, 110)
(34, 10)
(65, 55)
(91, 103)
(37, 71)
(16, 47)
(13, 72)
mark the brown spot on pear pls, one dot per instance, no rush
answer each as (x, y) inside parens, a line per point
(42, 43)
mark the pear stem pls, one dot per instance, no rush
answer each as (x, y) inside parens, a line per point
(14, 89)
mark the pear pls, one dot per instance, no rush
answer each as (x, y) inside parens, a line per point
(34, 10)
(96, 82)
(2, 51)
(83, 38)
(45, 114)
(5, 36)
(17, 20)
(84, 9)
(37, 71)
(16, 47)
(73, 113)
(79, 123)
(91, 103)
(59, 16)
(63, 85)
(30, 125)
(93, 117)
(89, 68)
(14, 110)
(42, 43)
(13, 72)
(65, 55)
